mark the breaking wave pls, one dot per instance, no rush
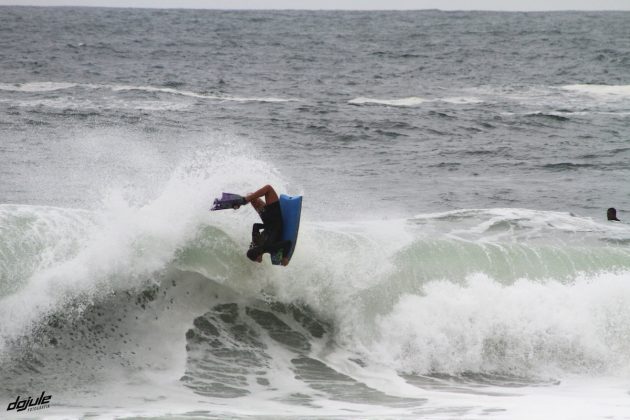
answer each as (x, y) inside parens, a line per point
(164, 288)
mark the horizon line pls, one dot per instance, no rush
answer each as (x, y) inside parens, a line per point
(245, 9)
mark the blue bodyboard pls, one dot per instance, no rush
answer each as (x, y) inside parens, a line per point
(291, 208)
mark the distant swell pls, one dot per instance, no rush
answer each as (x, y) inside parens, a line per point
(554, 117)
(565, 166)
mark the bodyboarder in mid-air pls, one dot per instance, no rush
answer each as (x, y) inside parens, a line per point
(266, 236)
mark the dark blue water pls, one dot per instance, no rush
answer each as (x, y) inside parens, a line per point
(493, 123)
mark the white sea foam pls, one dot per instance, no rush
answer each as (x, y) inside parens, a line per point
(96, 104)
(34, 87)
(600, 90)
(462, 100)
(567, 100)
(118, 88)
(524, 224)
(410, 101)
(528, 328)
(128, 242)
(413, 101)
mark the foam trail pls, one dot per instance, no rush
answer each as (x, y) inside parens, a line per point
(34, 87)
(600, 90)
(412, 101)
(119, 88)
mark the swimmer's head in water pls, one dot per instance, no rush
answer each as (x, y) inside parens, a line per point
(611, 214)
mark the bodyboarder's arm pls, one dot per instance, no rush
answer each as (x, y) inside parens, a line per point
(267, 191)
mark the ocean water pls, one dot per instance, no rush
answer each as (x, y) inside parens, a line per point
(454, 261)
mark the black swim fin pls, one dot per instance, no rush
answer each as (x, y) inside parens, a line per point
(228, 201)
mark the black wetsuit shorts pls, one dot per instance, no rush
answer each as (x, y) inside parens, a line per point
(270, 239)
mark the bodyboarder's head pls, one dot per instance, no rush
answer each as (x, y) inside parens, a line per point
(254, 255)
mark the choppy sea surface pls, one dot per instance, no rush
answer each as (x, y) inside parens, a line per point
(454, 261)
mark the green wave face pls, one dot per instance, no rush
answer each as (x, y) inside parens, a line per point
(503, 291)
